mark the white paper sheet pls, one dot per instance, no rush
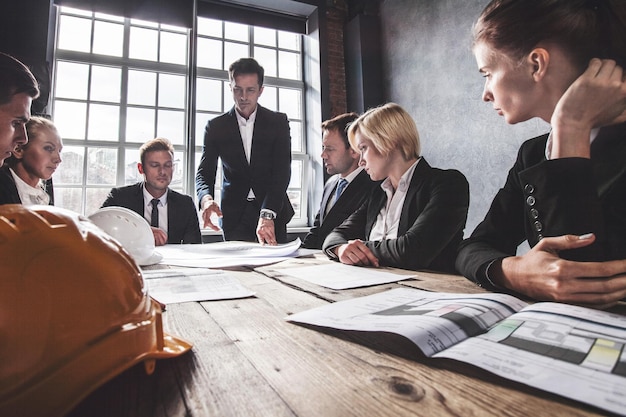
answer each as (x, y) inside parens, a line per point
(225, 254)
(572, 351)
(171, 286)
(433, 321)
(339, 276)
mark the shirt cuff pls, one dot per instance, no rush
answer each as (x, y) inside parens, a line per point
(488, 279)
(272, 212)
(329, 252)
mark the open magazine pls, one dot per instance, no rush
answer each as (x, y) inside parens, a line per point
(572, 351)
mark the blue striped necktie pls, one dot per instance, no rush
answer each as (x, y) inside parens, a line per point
(341, 185)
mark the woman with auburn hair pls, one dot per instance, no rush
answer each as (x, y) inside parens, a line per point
(415, 218)
(561, 61)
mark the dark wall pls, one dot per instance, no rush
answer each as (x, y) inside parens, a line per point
(363, 67)
(429, 69)
(24, 34)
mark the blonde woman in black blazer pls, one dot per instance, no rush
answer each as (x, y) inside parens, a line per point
(425, 231)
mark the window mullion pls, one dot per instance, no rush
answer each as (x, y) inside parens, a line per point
(121, 154)
(190, 113)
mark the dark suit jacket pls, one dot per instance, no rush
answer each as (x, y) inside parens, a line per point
(350, 200)
(431, 224)
(8, 189)
(182, 217)
(268, 172)
(552, 198)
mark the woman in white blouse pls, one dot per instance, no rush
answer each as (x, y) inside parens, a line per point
(23, 178)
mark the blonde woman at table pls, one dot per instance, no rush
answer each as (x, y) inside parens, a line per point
(561, 61)
(415, 218)
(24, 176)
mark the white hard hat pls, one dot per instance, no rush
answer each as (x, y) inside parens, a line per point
(131, 230)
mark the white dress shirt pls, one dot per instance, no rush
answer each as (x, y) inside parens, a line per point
(349, 178)
(592, 136)
(30, 195)
(386, 225)
(246, 128)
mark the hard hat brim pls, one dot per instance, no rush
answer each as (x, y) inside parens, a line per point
(59, 390)
(154, 258)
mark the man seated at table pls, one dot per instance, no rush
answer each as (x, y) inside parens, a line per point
(349, 185)
(172, 216)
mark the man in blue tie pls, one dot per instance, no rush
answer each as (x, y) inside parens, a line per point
(349, 185)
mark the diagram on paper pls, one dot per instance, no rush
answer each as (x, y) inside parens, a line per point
(577, 345)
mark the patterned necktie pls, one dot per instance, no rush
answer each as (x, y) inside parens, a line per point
(340, 187)
(154, 217)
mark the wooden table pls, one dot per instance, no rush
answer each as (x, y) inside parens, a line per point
(248, 361)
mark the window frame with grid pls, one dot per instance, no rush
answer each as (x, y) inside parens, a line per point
(105, 73)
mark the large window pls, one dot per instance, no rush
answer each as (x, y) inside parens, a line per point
(119, 82)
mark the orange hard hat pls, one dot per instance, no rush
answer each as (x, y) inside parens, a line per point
(74, 311)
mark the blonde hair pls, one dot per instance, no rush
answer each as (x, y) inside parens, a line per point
(153, 145)
(36, 125)
(388, 127)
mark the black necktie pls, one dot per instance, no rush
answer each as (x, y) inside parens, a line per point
(154, 217)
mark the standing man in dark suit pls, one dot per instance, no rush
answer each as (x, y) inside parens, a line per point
(349, 185)
(254, 146)
(172, 216)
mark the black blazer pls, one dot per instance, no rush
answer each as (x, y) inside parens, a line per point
(182, 217)
(350, 200)
(8, 189)
(431, 224)
(552, 198)
(268, 172)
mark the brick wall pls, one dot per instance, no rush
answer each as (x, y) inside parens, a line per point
(336, 14)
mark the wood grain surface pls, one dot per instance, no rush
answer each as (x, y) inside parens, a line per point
(247, 360)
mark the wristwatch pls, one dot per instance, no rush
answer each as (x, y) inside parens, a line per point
(267, 215)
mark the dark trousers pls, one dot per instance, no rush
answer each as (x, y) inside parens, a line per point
(246, 227)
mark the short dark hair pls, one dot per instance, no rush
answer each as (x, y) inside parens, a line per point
(246, 66)
(153, 145)
(15, 78)
(340, 124)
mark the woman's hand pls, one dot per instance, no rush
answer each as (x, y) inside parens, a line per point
(597, 98)
(543, 275)
(356, 253)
